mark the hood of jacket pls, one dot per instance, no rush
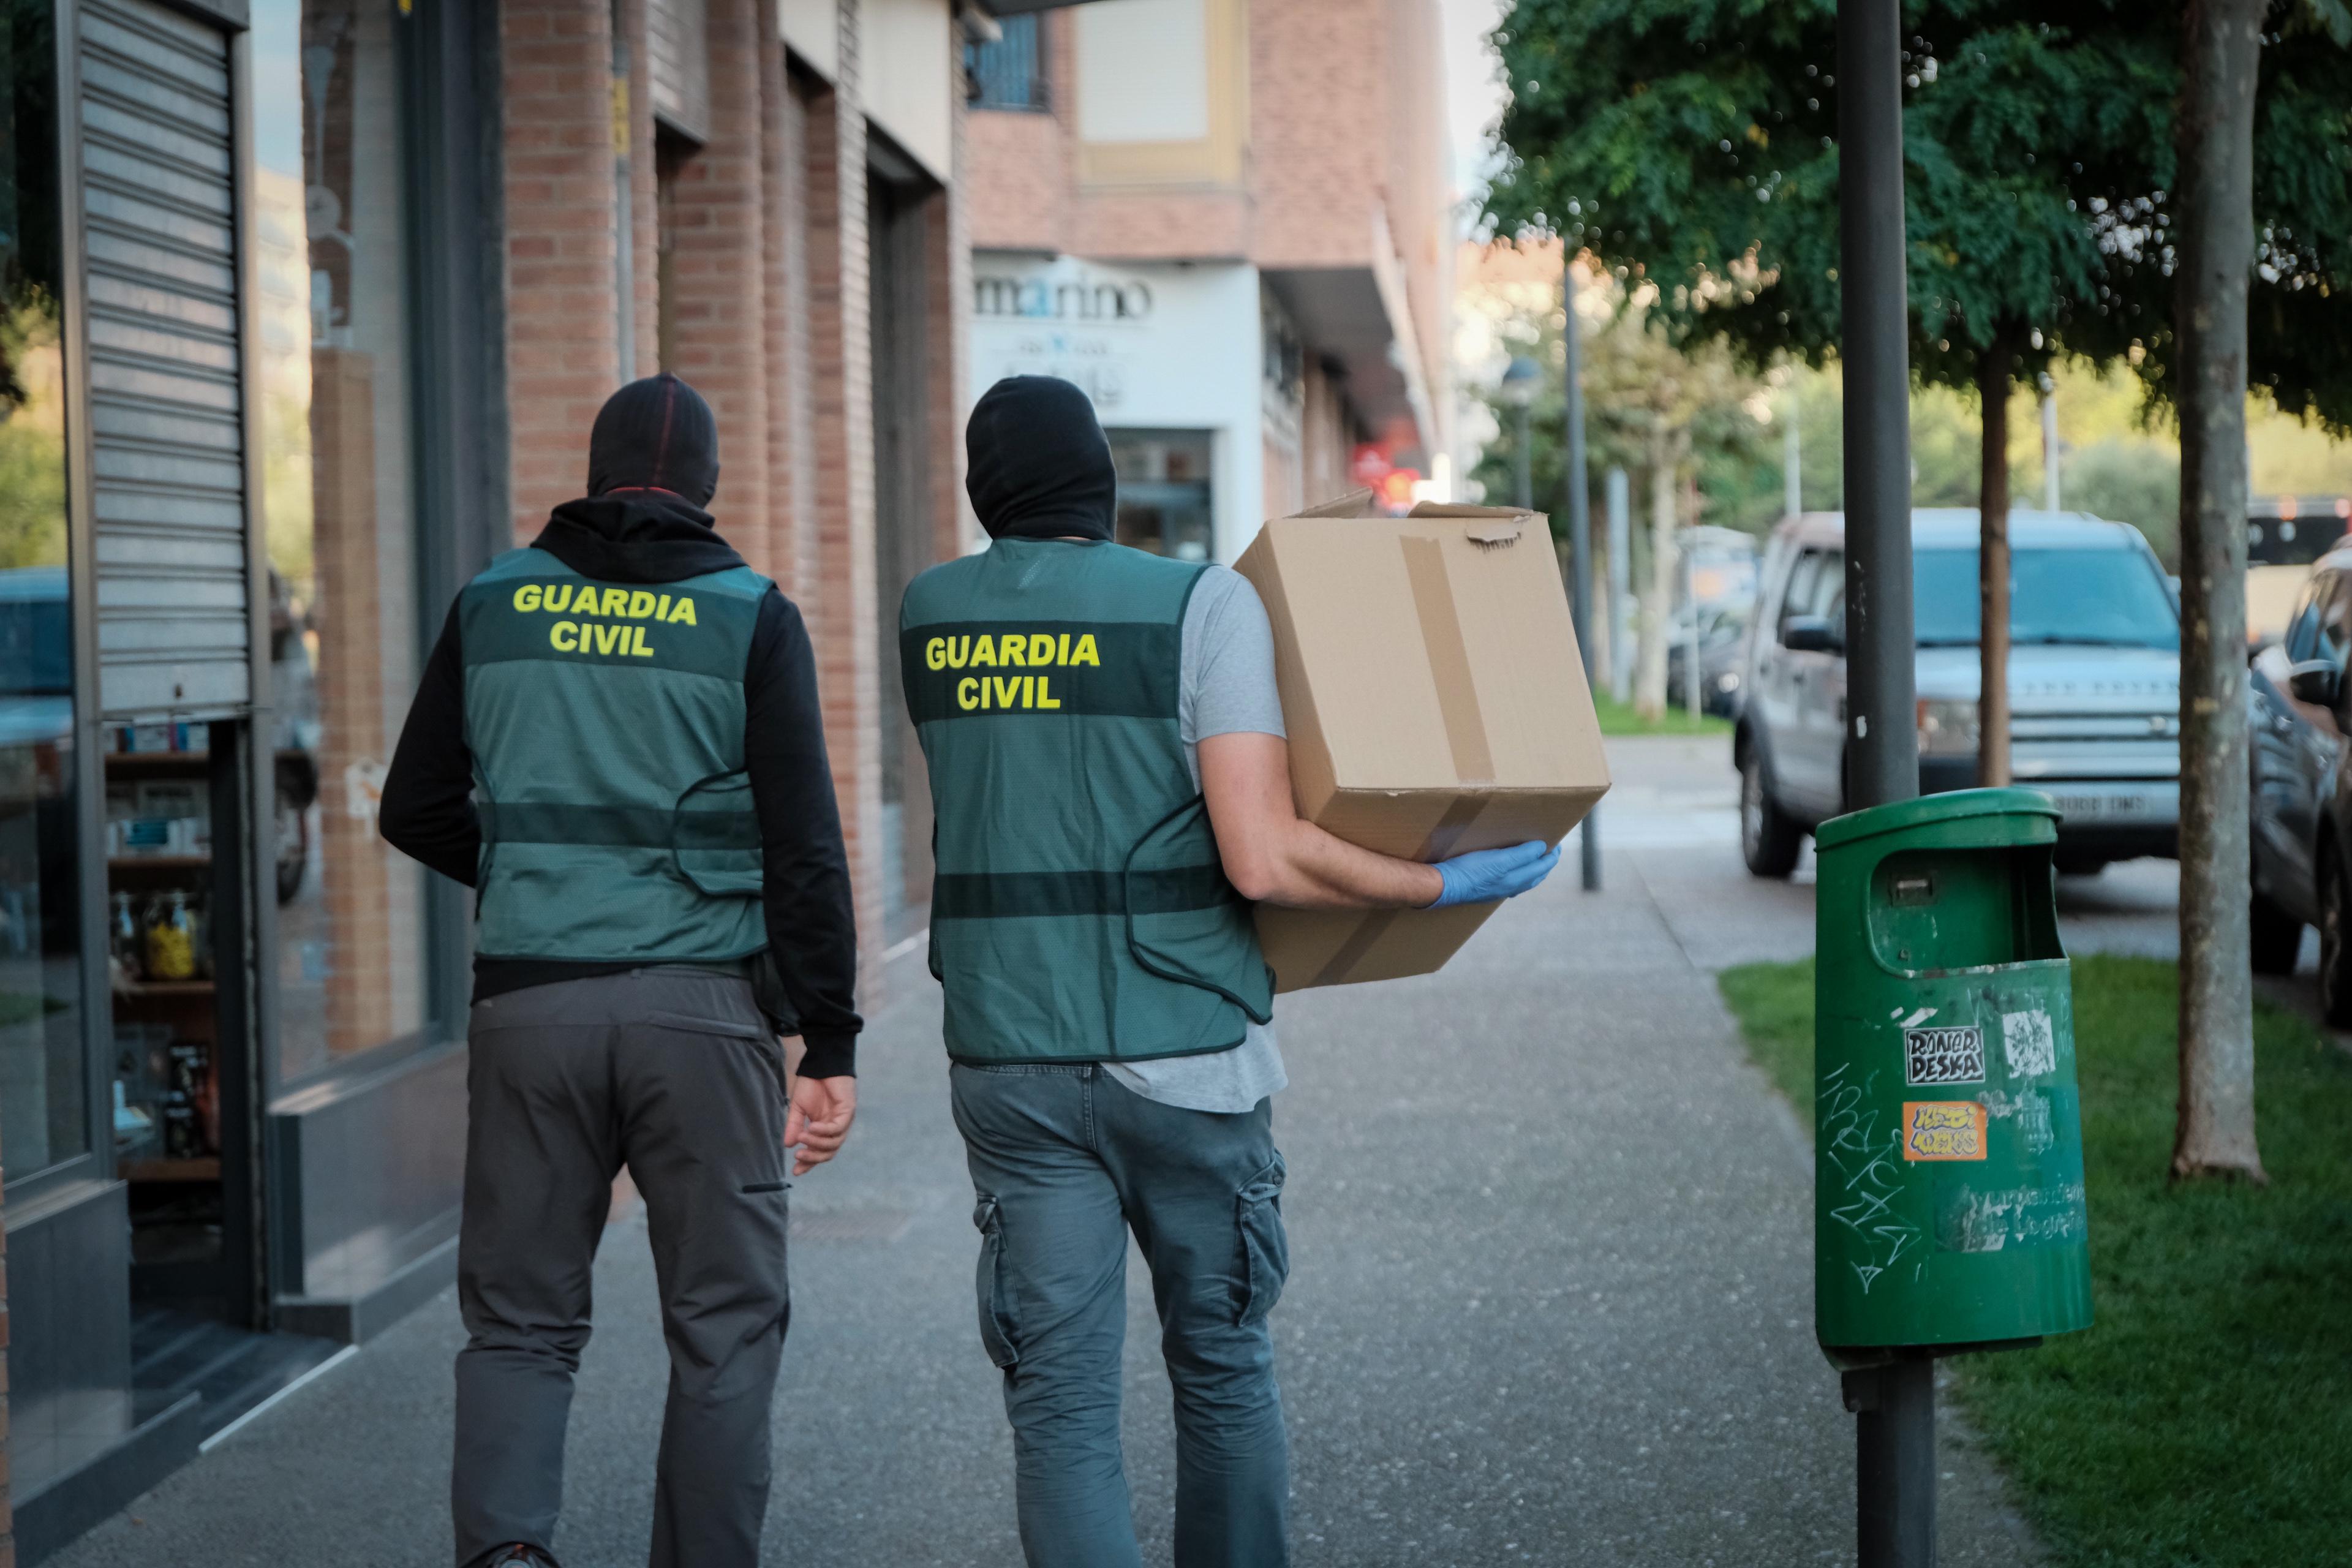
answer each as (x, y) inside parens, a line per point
(1038, 465)
(653, 465)
(639, 536)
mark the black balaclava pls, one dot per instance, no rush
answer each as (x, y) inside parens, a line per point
(656, 434)
(1038, 466)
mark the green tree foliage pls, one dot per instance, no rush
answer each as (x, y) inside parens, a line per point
(31, 434)
(1632, 377)
(1693, 142)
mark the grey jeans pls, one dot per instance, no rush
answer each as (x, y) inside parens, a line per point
(674, 1073)
(1065, 1162)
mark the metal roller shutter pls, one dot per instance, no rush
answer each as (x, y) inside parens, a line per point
(166, 419)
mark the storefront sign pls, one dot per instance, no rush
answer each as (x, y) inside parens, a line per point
(1067, 320)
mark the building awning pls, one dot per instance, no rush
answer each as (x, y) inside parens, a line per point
(1359, 316)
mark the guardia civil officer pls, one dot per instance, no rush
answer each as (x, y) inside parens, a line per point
(617, 744)
(1112, 784)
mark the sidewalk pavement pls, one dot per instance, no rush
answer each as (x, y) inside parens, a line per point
(1550, 1301)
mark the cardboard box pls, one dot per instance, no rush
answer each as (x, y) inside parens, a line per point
(1435, 701)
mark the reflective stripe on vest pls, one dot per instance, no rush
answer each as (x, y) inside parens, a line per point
(606, 725)
(1079, 912)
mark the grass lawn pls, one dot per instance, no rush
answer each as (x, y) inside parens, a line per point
(1616, 719)
(2207, 1417)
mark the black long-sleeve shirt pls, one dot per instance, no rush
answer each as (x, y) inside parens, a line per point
(428, 811)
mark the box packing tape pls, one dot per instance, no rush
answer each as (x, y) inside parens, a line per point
(1465, 722)
(1375, 925)
(1449, 659)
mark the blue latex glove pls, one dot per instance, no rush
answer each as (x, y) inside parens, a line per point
(1485, 876)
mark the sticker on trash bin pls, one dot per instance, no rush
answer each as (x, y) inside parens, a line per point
(1953, 1053)
(2027, 1042)
(1943, 1129)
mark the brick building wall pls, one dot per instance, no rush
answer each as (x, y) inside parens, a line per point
(557, 69)
(768, 315)
(719, 284)
(842, 616)
(1345, 130)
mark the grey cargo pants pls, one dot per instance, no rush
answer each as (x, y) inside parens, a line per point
(674, 1073)
(1066, 1162)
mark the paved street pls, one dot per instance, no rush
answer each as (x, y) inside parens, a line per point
(1550, 1304)
(1672, 818)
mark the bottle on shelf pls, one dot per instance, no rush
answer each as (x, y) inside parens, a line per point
(187, 1130)
(172, 936)
(125, 945)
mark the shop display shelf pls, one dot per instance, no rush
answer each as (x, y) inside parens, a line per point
(169, 988)
(202, 1168)
(160, 863)
(158, 762)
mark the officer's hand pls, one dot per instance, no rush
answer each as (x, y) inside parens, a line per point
(1484, 876)
(818, 1120)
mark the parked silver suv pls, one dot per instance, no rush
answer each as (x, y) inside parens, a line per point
(2093, 681)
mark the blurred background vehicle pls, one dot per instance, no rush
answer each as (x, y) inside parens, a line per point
(1721, 634)
(2285, 535)
(2299, 795)
(2093, 681)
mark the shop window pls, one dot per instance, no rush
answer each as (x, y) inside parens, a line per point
(346, 626)
(672, 153)
(44, 1079)
(1009, 73)
(1164, 491)
(900, 217)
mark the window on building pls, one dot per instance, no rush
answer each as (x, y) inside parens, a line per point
(1158, 92)
(1164, 495)
(1011, 72)
(44, 1094)
(672, 153)
(338, 480)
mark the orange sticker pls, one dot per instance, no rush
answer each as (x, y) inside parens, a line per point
(1943, 1129)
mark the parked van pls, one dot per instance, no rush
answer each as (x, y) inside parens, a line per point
(2093, 681)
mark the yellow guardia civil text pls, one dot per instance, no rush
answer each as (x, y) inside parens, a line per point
(610, 605)
(1010, 650)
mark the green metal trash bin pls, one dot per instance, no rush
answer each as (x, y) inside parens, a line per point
(1947, 1136)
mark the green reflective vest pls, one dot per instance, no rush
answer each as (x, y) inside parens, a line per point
(606, 724)
(1080, 911)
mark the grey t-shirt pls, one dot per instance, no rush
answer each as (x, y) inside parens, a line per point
(1227, 687)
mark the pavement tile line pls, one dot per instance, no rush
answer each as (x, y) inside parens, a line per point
(1801, 1147)
(275, 1400)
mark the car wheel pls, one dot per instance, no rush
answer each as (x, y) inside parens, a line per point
(2274, 937)
(1769, 838)
(2077, 864)
(2335, 982)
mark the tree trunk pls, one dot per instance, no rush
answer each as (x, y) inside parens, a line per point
(1658, 594)
(1993, 562)
(2213, 228)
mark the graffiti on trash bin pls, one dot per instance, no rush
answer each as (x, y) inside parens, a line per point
(1867, 1172)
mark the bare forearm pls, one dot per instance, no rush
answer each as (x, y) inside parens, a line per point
(1274, 856)
(1309, 868)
